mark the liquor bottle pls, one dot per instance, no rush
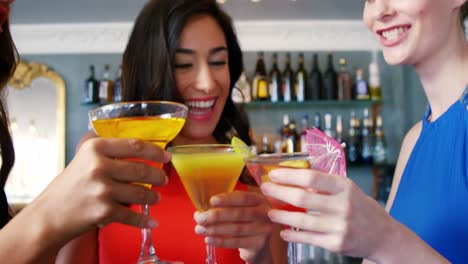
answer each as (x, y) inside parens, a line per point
(315, 80)
(374, 82)
(91, 89)
(345, 83)
(260, 83)
(266, 148)
(379, 152)
(293, 137)
(317, 121)
(106, 87)
(241, 93)
(328, 129)
(275, 81)
(288, 81)
(301, 84)
(354, 143)
(361, 90)
(330, 81)
(304, 127)
(118, 86)
(287, 136)
(366, 138)
(339, 129)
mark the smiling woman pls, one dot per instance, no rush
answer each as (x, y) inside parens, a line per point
(187, 51)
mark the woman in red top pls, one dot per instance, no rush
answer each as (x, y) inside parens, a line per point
(187, 51)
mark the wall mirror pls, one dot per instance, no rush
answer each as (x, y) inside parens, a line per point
(36, 109)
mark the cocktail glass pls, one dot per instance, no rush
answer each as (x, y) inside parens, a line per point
(207, 170)
(260, 166)
(157, 122)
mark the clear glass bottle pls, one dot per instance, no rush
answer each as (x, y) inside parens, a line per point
(106, 86)
(374, 82)
(380, 146)
(288, 81)
(301, 80)
(275, 81)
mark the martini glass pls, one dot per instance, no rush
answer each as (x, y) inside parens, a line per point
(260, 166)
(157, 122)
(207, 170)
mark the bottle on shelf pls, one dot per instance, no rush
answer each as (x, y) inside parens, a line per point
(379, 152)
(288, 80)
(317, 122)
(275, 81)
(330, 81)
(366, 138)
(328, 129)
(106, 86)
(302, 138)
(315, 80)
(374, 82)
(339, 129)
(301, 81)
(293, 137)
(361, 89)
(266, 148)
(241, 93)
(260, 90)
(91, 89)
(354, 143)
(345, 83)
(118, 86)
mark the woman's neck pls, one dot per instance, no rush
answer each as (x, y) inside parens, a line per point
(444, 75)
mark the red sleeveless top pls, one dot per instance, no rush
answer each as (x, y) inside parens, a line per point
(174, 239)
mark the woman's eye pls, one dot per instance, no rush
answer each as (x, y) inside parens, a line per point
(217, 63)
(182, 65)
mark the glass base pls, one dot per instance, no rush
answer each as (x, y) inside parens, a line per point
(149, 260)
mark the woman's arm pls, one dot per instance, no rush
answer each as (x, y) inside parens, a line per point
(83, 249)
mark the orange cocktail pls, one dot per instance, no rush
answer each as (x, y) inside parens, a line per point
(157, 122)
(207, 170)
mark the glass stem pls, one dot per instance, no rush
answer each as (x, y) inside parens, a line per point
(147, 253)
(210, 255)
(292, 250)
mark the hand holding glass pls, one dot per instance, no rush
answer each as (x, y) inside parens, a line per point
(157, 122)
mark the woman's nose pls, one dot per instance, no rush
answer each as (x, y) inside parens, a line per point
(205, 79)
(381, 10)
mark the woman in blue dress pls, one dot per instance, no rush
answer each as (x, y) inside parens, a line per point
(426, 220)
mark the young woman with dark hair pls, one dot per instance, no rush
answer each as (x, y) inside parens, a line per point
(83, 196)
(187, 51)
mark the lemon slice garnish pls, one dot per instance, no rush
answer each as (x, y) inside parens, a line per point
(301, 164)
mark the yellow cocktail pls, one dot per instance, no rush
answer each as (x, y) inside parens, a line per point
(207, 170)
(157, 122)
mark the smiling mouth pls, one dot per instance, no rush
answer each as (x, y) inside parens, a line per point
(393, 33)
(200, 107)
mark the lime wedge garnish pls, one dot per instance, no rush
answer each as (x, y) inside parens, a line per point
(240, 146)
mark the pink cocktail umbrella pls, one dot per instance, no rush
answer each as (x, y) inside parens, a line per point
(327, 154)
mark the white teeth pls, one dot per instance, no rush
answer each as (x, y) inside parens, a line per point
(201, 104)
(393, 33)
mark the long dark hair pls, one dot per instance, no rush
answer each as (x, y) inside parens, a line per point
(8, 60)
(147, 68)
